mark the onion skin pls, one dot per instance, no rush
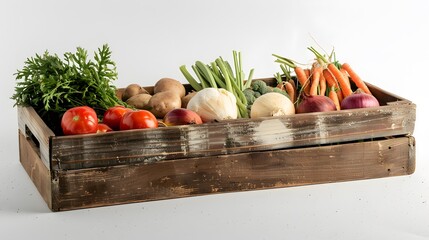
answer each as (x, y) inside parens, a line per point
(317, 103)
(181, 116)
(359, 100)
(214, 104)
(272, 104)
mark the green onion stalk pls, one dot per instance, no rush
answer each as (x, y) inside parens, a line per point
(220, 74)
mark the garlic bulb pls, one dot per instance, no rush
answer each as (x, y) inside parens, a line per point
(214, 104)
(272, 104)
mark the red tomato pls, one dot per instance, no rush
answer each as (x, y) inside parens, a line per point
(79, 120)
(112, 116)
(102, 128)
(138, 119)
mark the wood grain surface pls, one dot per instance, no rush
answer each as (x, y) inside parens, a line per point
(103, 186)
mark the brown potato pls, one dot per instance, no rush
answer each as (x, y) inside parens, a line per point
(139, 101)
(169, 84)
(187, 97)
(162, 102)
(132, 90)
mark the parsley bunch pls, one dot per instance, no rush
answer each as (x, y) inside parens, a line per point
(52, 85)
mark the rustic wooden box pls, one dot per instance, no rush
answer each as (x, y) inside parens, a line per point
(74, 172)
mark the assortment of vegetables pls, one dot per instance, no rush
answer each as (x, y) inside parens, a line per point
(167, 95)
(324, 86)
(76, 95)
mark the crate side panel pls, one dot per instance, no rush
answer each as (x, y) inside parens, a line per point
(384, 97)
(235, 172)
(35, 168)
(134, 146)
(231, 137)
(32, 126)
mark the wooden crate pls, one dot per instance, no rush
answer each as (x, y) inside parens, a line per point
(74, 172)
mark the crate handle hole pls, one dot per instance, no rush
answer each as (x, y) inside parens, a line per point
(32, 139)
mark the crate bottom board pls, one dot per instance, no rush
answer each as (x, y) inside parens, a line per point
(103, 186)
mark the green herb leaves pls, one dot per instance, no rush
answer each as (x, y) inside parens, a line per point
(52, 85)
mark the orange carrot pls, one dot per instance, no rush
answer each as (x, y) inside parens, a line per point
(290, 91)
(332, 83)
(307, 72)
(355, 78)
(334, 97)
(302, 78)
(340, 78)
(322, 85)
(330, 80)
(315, 80)
(346, 76)
(339, 94)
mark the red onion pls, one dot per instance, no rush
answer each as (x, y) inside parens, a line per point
(317, 103)
(181, 116)
(359, 100)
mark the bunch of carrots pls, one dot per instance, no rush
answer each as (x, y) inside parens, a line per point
(324, 77)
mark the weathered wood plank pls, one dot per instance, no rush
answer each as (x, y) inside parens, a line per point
(33, 127)
(35, 167)
(237, 136)
(103, 186)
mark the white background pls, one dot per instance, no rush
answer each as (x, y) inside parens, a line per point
(385, 41)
